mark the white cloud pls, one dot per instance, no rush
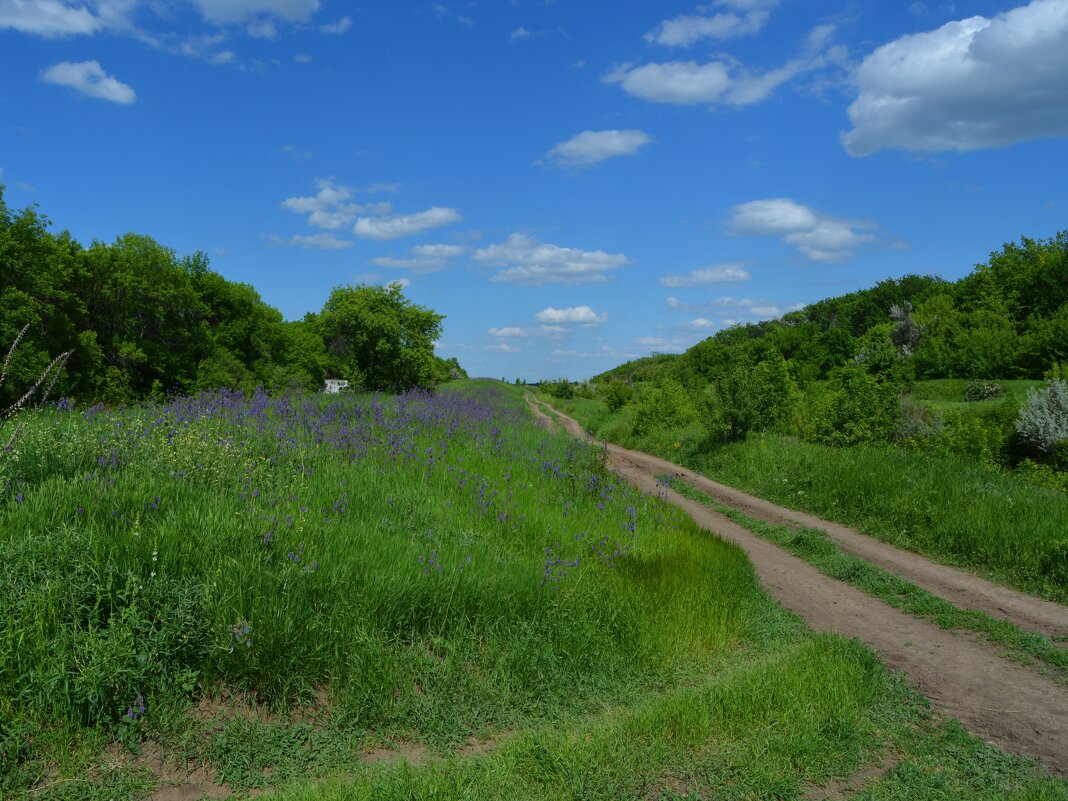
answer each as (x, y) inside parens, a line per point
(49, 18)
(510, 331)
(684, 83)
(527, 261)
(395, 226)
(262, 29)
(582, 315)
(241, 10)
(717, 274)
(440, 251)
(700, 324)
(592, 147)
(320, 241)
(337, 28)
(747, 306)
(89, 78)
(743, 20)
(327, 208)
(518, 34)
(973, 83)
(501, 347)
(819, 237)
(689, 83)
(403, 283)
(424, 258)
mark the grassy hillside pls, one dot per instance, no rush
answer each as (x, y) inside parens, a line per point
(282, 590)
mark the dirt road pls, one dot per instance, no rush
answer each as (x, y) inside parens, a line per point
(1003, 702)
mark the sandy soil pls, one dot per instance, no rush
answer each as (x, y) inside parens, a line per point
(1005, 703)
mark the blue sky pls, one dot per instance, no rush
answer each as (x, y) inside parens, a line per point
(572, 183)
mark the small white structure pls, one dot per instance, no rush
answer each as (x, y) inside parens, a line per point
(334, 386)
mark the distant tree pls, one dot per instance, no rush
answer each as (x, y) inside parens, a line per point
(378, 339)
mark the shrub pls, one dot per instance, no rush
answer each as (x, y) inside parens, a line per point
(861, 409)
(1043, 420)
(561, 388)
(616, 395)
(666, 406)
(979, 390)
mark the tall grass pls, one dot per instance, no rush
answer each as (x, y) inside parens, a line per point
(954, 509)
(273, 586)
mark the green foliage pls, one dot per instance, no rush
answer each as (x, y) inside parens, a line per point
(666, 407)
(1058, 371)
(378, 339)
(616, 394)
(860, 409)
(141, 323)
(560, 388)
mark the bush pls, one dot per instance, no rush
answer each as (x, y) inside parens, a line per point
(861, 409)
(979, 390)
(561, 388)
(616, 395)
(666, 406)
(1043, 420)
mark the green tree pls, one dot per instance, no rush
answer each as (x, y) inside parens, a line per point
(378, 339)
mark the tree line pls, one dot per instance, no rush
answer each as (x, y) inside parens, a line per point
(141, 322)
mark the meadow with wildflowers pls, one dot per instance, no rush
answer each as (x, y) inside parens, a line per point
(414, 596)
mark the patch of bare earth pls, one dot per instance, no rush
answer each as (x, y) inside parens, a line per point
(1007, 704)
(413, 753)
(841, 789)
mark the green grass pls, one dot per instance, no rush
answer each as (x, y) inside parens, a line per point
(948, 393)
(285, 585)
(955, 510)
(818, 549)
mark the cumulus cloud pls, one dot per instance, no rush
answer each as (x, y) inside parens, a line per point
(501, 347)
(690, 83)
(819, 237)
(699, 324)
(336, 28)
(240, 10)
(582, 315)
(89, 78)
(973, 83)
(524, 260)
(741, 19)
(319, 241)
(398, 225)
(49, 18)
(328, 207)
(423, 258)
(592, 147)
(716, 274)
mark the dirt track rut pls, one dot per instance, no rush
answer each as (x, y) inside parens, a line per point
(1003, 702)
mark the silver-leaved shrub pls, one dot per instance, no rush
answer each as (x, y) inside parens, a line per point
(1043, 420)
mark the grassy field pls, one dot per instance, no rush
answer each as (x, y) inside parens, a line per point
(948, 393)
(953, 509)
(295, 592)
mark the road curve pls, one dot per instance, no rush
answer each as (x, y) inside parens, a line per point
(1005, 703)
